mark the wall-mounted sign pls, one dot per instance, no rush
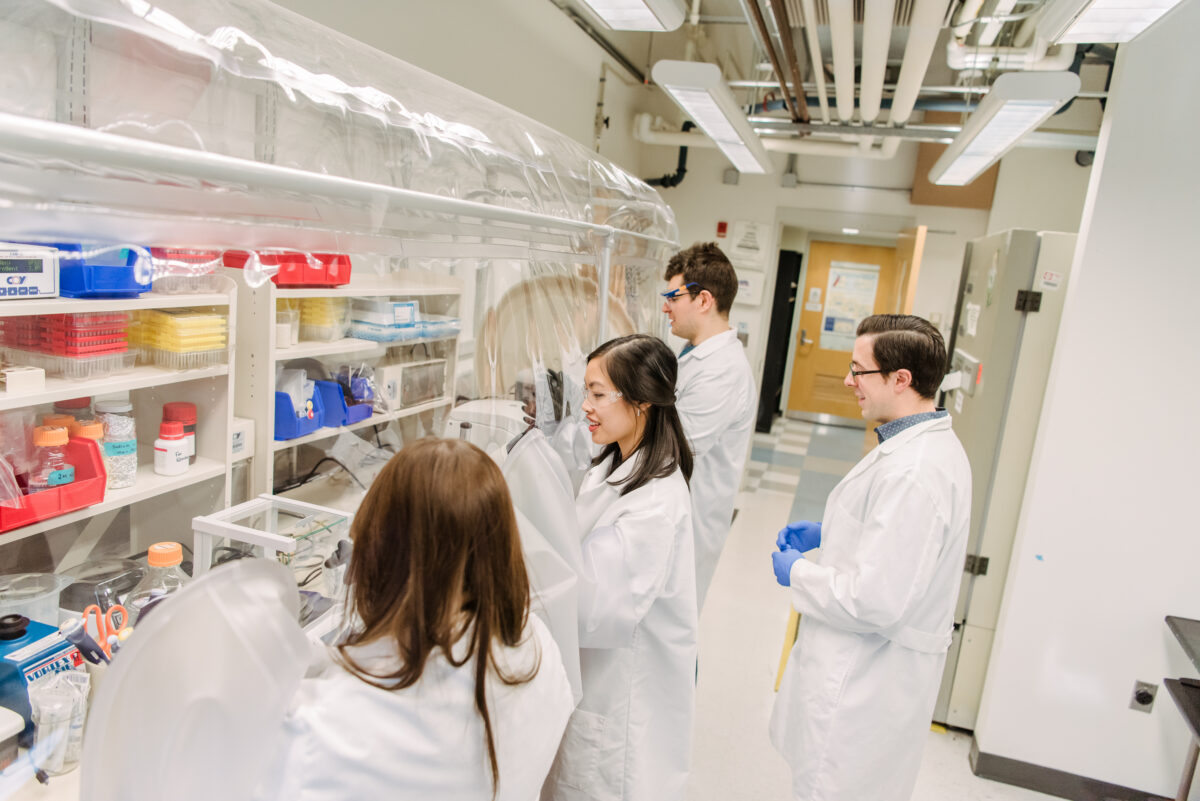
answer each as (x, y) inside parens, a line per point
(747, 246)
(849, 297)
(750, 288)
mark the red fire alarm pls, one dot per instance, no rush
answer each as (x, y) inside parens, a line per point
(722, 229)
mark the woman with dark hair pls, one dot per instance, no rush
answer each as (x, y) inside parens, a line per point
(630, 737)
(447, 688)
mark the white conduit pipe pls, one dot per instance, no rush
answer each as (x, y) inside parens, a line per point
(987, 36)
(814, 53)
(643, 132)
(876, 42)
(877, 37)
(841, 34)
(923, 30)
(969, 11)
(1037, 57)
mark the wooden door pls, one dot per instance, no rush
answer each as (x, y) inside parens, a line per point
(909, 249)
(844, 284)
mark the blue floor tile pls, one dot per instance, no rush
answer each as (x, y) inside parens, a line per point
(786, 459)
(837, 443)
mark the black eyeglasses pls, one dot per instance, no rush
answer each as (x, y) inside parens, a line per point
(856, 373)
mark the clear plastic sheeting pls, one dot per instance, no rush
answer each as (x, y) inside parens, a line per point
(189, 132)
(253, 81)
(536, 322)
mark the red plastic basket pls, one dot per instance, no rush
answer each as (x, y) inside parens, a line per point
(85, 490)
(294, 269)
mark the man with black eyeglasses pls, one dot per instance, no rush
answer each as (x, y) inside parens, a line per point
(876, 581)
(715, 394)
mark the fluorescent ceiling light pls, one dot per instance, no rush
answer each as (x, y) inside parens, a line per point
(1017, 103)
(850, 231)
(639, 15)
(1100, 20)
(699, 90)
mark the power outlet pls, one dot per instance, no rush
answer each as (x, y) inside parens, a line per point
(1143, 696)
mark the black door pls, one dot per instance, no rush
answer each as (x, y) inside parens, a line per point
(779, 334)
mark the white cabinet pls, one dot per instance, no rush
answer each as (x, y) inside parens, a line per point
(260, 352)
(155, 507)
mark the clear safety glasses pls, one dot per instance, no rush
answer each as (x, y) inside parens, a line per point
(598, 400)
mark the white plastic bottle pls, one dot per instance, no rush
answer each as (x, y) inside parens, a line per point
(171, 450)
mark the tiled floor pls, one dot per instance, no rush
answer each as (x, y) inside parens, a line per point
(791, 472)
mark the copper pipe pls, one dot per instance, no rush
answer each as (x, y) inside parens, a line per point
(789, 52)
(761, 24)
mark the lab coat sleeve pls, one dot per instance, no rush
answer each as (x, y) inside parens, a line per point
(708, 408)
(893, 563)
(625, 567)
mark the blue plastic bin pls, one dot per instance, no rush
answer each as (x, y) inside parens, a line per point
(337, 413)
(288, 425)
(112, 274)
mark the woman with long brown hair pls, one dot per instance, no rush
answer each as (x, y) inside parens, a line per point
(446, 688)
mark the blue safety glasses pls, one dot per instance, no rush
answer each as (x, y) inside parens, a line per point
(691, 288)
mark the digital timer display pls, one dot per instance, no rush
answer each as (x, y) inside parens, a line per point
(20, 265)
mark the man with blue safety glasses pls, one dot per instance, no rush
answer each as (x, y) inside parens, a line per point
(715, 394)
(876, 581)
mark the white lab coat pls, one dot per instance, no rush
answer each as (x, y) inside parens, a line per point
(544, 502)
(717, 402)
(348, 740)
(877, 604)
(630, 738)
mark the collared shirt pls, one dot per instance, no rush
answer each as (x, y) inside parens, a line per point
(891, 429)
(689, 346)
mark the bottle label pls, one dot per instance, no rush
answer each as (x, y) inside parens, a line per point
(122, 448)
(59, 477)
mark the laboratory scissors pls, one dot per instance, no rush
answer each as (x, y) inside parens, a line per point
(107, 623)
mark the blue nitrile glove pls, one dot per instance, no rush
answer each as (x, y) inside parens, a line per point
(783, 561)
(803, 535)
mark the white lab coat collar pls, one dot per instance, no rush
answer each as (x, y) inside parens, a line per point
(624, 471)
(712, 344)
(891, 444)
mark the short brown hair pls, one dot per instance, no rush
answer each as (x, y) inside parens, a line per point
(704, 264)
(908, 342)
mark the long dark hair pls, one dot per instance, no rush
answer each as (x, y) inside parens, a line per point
(437, 557)
(643, 369)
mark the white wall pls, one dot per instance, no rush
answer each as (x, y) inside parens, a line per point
(1107, 544)
(1039, 189)
(525, 54)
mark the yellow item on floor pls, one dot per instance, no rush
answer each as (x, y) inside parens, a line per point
(789, 639)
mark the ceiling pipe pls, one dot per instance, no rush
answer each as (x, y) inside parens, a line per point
(923, 30)
(1036, 57)
(814, 54)
(876, 40)
(789, 53)
(841, 35)
(964, 20)
(755, 14)
(991, 28)
(877, 37)
(924, 90)
(643, 131)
